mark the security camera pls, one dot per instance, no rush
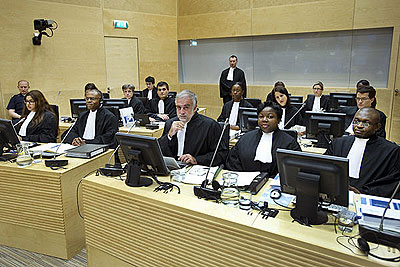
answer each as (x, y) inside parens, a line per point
(37, 38)
(42, 24)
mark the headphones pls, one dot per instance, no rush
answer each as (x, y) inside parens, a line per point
(275, 194)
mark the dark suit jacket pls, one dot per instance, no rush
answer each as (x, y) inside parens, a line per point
(225, 86)
(44, 132)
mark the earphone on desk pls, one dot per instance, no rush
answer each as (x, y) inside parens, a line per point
(364, 247)
(275, 194)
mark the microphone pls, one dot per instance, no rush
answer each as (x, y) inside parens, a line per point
(55, 163)
(58, 94)
(114, 170)
(18, 122)
(208, 193)
(297, 112)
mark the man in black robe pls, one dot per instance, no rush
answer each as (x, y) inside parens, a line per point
(365, 98)
(191, 137)
(236, 102)
(379, 170)
(97, 125)
(161, 108)
(229, 77)
(151, 91)
(133, 101)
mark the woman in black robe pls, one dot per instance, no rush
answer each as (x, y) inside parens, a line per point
(38, 121)
(256, 150)
(281, 96)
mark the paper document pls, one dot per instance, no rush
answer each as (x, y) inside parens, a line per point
(245, 178)
(52, 147)
(197, 174)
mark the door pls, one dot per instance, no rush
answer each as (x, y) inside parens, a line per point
(122, 63)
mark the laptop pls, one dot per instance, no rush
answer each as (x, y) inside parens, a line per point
(143, 119)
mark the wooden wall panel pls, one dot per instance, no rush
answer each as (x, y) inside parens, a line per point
(91, 3)
(308, 17)
(157, 42)
(159, 7)
(194, 7)
(376, 14)
(230, 24)
(66, 62)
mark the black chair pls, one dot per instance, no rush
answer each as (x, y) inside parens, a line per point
(54, 108)
(138, 93)
(172, 94)
(253, 101)
(106, 96)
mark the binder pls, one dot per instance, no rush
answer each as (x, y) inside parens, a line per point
(86, 151)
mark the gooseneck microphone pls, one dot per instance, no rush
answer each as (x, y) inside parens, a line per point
(387, 206)
(20, 121)
(56, 163)
(297, 112)
(208, 193)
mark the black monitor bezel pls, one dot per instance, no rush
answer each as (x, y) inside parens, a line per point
(75, 109)
(333, 100)
(244, 114)
(8, 135)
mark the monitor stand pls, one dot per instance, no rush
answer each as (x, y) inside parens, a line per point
(133, 177)
(323, 140)
(307, 199)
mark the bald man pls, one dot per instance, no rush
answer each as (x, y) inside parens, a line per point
(374, 162)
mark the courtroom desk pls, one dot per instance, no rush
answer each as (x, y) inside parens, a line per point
(136, 226)
(63, 126)
(38, 206)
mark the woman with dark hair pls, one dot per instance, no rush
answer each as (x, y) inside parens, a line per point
(270, 96)
(281, 97)
(317, 102)
(256, 150)
(39, 121)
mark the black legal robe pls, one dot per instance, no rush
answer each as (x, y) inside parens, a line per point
(154, 94)
(169, 107)
(43, 132)
(105, 129)
(226, 110)
(137, 105)
(324, 103)
(225, 86)
(380, 166)
(351, 111)
(201, 140)
(289, 113)
(241, 157)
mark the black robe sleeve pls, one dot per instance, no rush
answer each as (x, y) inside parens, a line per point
(44, 132)
(137, 106)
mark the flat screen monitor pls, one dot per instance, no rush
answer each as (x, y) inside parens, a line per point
(8, 135)
(172, 94)
(141, 153)
(324, 126)
(296, 99)
(138, 93)
(313, 178)
(253, 101)
(114, 105)
(248, 119)
(77, 107)
(337, 100)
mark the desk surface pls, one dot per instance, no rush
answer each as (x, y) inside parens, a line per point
(150, 228)
(38, 206)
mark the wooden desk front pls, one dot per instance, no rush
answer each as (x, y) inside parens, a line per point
(38, 206)
(140, 227)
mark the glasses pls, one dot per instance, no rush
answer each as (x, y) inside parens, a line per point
(362, 99)
(361, 123)
(30, 102)
(91, 98)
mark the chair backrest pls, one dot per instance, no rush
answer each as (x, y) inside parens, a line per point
(253, 101)
(138, 93)
(296, 99)
(172, 94)
(54, 108)
(143, 99)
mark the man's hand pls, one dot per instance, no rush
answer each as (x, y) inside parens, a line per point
(165, 117)
(235, 127)
(188, 159)
(19, 138)
(175, 127)
(355, 190)
(78, 141)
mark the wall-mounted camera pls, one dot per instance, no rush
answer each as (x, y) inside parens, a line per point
(42, 25)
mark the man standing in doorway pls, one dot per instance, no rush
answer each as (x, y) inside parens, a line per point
(229, 77)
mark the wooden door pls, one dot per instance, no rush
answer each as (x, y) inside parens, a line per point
(122, 63)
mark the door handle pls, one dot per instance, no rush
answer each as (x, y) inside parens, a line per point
(396, 91)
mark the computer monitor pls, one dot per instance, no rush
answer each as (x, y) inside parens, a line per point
(254, 101)
(114, 105)
(324, 126)
(8, 135)
(248, 119)
(77, 107)
(296, 99)
(312, 178)
(141, 153)
(337, 100)
(138, 93)
(172, 94)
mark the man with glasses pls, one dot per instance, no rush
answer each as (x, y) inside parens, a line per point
(97, 125)
(365, 97)
(16, 104)
(374, 162)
